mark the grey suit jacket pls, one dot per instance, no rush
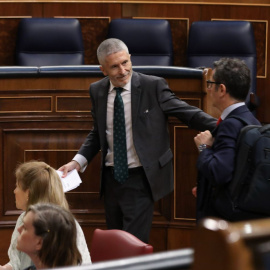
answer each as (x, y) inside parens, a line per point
(152, 102)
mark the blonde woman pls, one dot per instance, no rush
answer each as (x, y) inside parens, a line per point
(37, 182)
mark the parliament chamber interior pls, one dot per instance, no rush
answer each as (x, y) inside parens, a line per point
(45, 110)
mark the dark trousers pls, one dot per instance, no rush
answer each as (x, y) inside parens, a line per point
(129, 206)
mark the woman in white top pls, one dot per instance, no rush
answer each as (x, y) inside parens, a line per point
(37, 182)
(48, 235)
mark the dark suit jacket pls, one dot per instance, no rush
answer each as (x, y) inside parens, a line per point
(151, 103)
(216, 164)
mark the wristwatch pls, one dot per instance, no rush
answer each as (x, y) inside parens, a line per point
(202, 147)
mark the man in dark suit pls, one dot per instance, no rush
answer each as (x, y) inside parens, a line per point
(148, 101)
(228, 89)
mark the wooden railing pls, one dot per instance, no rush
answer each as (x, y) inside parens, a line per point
(45, 115)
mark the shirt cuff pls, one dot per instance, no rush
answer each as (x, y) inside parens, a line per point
(82, 162)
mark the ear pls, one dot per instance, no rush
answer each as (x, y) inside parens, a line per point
(27, 194)
(223, 90)
(39, 243)
(103, 71)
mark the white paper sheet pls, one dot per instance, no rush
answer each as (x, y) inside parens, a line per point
(71, 181)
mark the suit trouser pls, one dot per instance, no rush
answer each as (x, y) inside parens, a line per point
(129, 206)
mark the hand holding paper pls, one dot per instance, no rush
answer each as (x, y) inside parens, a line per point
(71, 181)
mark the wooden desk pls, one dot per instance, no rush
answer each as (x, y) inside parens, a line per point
(232, 246)
(46, 116)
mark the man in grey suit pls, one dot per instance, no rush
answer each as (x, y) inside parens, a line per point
(148, 101)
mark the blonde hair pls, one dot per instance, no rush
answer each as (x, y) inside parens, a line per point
(43, 183)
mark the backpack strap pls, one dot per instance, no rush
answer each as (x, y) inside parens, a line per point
(232, 185)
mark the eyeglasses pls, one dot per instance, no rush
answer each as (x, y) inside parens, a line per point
(209, 84)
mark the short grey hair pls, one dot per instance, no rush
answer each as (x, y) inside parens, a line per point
(110, 46)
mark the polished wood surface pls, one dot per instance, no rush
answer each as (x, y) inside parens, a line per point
(95, 17)
(48, 118)
(232, 245)
(166, 2)
(53, 126)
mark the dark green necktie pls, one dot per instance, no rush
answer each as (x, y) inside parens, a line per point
(119, 139)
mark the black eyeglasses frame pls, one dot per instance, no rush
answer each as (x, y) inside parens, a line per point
(209, 83)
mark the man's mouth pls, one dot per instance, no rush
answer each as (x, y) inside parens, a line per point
(123, 77)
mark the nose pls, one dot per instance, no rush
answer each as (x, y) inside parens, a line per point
(20, 229)
(122, 69)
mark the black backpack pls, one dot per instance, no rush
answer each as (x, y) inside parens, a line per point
(247, 196)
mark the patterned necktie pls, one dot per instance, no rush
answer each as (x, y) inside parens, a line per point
(119, 139)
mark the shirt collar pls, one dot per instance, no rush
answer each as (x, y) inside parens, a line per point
(127, 87)
(229, 109)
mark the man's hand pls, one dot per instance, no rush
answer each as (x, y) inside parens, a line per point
(194, 192)
(204, 137)
(69, 167)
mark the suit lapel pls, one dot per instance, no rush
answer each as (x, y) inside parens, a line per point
(135, 96)
(102, 108)
(238, 111)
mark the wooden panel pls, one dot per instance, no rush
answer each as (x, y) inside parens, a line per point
(180, 238)
(47, 85)
(185, 85)
(158, 237)
(21, 9)
(94, 31)
(7, 40)
(5, 235)
(25, 104)
(173, 224)
(55, 130)
(56, 147)
(177, 11)
(72, 104)
(80, 9)
(165, 2)
(185, 173)
(261, 38)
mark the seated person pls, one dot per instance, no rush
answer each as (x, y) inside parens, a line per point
(48, 236)
(37, 182)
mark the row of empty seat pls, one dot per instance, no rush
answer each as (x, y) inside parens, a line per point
(49, 41)
(58, 41)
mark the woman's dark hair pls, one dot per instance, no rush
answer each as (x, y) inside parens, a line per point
(56, 225)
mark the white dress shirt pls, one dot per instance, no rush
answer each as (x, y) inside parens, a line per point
(229, 109)
(133, 159)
